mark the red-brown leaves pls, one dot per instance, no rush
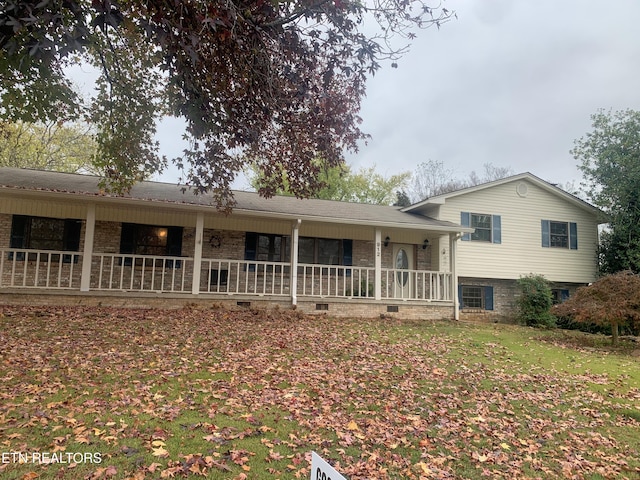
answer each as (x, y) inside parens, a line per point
(611, 300)
(238, 394)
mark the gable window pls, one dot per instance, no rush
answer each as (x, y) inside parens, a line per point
(488, 228)
(559, 234)
(477, 297)
(150, 240)
(41, 233)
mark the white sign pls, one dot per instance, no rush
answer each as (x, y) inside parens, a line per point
(321, 470)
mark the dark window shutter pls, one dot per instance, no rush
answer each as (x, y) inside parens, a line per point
(347, 255)
(250, 249)
(71, 239)
(347, 252)
(460, 297)
(174, 241)
(250, 245)
(19, 225)
(546, 242)
(497, 228)
(488, 298)
(127, 238)
(465, 221)
(573, 236)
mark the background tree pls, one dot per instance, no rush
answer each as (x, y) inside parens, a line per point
(274, 84)
(612, 300)
(610, 156)
(434, 178)
(340, 183)
(402, 199)
(64, 148)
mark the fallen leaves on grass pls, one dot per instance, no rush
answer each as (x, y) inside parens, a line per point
(380, 399)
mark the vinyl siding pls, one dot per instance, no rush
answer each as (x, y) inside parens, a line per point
(520, 251)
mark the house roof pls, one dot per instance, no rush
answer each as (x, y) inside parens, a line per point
(247, 203)
(549, 187)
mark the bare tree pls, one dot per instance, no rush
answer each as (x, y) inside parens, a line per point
(434, 178)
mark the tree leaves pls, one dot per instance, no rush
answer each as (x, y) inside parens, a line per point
(197, 391)
(612, 300)
(273, 84)
(609, 157)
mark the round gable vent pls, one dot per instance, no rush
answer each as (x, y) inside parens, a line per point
(522, 189)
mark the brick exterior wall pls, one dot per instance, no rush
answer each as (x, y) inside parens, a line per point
(505, 298)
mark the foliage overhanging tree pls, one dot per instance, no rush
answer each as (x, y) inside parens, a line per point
(610, 156)
(276, 84)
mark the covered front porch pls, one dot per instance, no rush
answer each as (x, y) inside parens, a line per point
(199, 275)
(62, 235)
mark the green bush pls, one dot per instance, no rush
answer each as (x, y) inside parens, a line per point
(534, 304)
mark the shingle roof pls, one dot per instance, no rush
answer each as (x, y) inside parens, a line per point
(246, 202)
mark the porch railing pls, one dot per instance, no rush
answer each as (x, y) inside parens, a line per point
(40, 269)
(128, 272)
(417, 285)
(244, 277)
(149, 273)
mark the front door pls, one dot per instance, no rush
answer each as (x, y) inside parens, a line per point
(403, 260)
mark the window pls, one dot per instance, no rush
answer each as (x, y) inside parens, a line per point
(488, 228)
(277, 248)
(559, 295)
(478, 297)
(482, 224)
(40, 233)
(266, 247)
(151, 240)
(559, 234)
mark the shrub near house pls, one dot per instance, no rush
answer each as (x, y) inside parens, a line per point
(613, 301)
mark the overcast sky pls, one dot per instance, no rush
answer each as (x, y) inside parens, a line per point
(510, 82)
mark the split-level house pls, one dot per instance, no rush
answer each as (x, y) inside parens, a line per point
(522, 225)
(63, 239)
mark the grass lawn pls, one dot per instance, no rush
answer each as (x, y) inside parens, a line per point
(125, 393)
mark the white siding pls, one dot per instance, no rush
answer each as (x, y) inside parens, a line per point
(521, 251)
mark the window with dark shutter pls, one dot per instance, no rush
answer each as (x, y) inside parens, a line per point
(44, 233)
(152, 240)
(488, 228)
(559, 234)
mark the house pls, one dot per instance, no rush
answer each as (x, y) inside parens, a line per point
(522, 225)
(64, 240)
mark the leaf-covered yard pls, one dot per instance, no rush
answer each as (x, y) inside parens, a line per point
(132, 393)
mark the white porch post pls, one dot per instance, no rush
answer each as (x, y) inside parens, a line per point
(378, 265)
(87, 253)
(197, 254)
(453, 242)
(293, 274)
